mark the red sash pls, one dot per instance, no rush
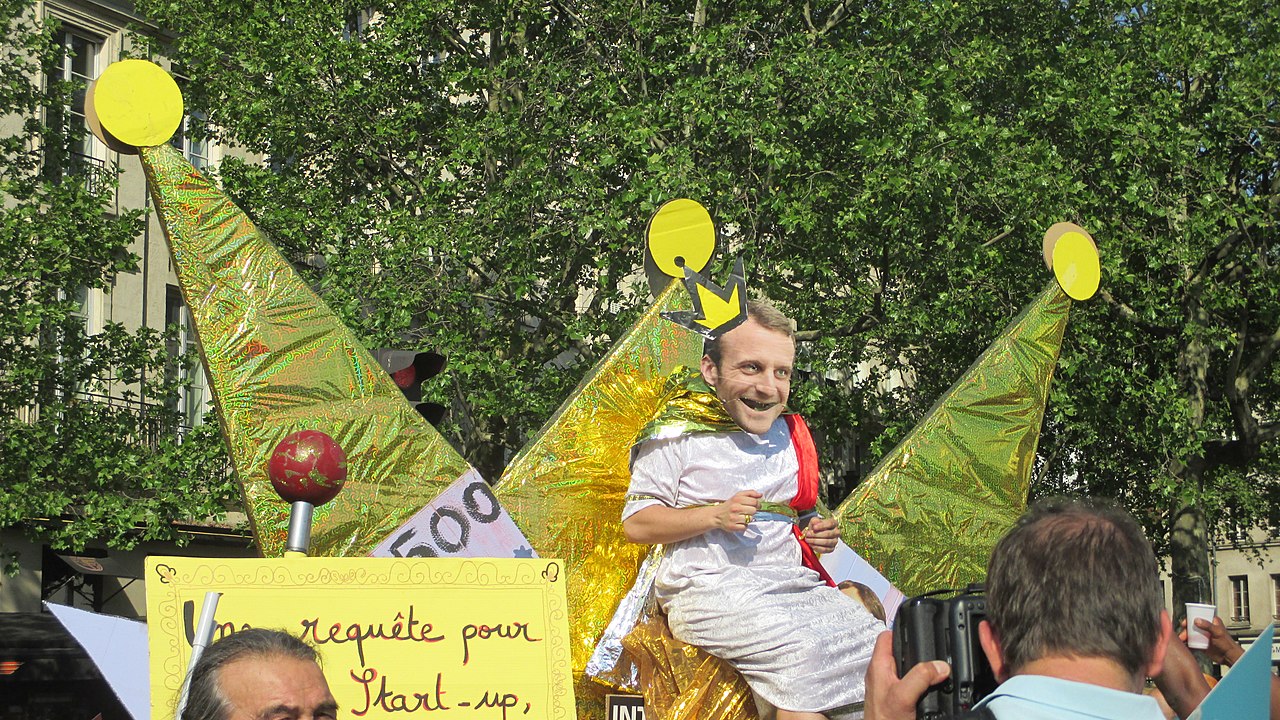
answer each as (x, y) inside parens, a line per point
(807, 489)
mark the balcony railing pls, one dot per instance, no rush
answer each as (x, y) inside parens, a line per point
(154, 422)
(60, 163)
(94, 171)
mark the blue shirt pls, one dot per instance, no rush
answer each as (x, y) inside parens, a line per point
(1038, 697)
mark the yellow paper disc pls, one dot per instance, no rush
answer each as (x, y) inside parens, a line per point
(681, 235)
(1075, 265)
(95, 126)
(138, 103)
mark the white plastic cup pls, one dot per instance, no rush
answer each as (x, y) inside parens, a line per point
(1198, 639)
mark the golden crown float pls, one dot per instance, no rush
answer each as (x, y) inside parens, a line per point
(530, 587)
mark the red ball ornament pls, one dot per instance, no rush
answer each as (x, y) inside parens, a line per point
(308, 466)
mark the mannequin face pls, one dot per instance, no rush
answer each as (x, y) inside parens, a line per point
(753, 379)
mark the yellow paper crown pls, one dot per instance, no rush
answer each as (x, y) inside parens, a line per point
(716, 310)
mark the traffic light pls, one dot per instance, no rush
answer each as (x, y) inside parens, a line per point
(408, 369)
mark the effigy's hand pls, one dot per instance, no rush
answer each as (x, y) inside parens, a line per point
(822, 534)
(736, 513)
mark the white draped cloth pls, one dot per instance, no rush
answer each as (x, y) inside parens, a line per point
(745, 597)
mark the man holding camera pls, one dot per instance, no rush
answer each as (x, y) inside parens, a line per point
(1075, 623)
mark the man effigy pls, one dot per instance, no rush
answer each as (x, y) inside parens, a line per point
(728, 484)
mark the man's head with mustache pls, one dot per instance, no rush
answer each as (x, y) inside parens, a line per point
(750, 367)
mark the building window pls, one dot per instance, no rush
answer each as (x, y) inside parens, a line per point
(82, 313)
(192, 136)
(1275, 597)
(79, 66)
(190, 142)
(353, 25)
(83, 154)
(192, 397)
(1240, 535)
(358, 23)
(1240, 598)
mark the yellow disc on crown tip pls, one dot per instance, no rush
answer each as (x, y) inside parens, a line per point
(138, 103)
(681, 229)
(1076, 266)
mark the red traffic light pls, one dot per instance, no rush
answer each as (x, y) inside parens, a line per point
(405, 378)
(408, 370)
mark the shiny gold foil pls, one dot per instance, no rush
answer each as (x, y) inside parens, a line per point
(678, 680)
(930, 512)
(688, 405)
(565, 490)
(608, 665)
(681, 682)
(279, 360)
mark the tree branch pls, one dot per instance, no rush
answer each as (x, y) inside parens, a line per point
(1223, 250)
(835, 18)
(1238, 452)
(577, 19)
(998, 238)
(1237, 390)
(391, 163)
(1128, 313)
(859, 326)
(1268, 432)
(454, 39)
(1263, 357)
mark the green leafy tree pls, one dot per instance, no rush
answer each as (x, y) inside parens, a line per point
(81, 457)
(1174, 400)
(477, 176)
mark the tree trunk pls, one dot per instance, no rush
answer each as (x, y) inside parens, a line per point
(483, 447)
(1188, 542)
(1189, 558)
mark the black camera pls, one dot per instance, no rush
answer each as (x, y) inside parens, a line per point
(931, 628)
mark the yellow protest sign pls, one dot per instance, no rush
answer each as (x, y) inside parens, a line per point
(459, 638)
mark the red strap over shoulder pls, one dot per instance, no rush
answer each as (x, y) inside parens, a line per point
(807, 455)
(807, 488)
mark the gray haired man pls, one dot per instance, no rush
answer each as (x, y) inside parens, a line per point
(259, 674)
